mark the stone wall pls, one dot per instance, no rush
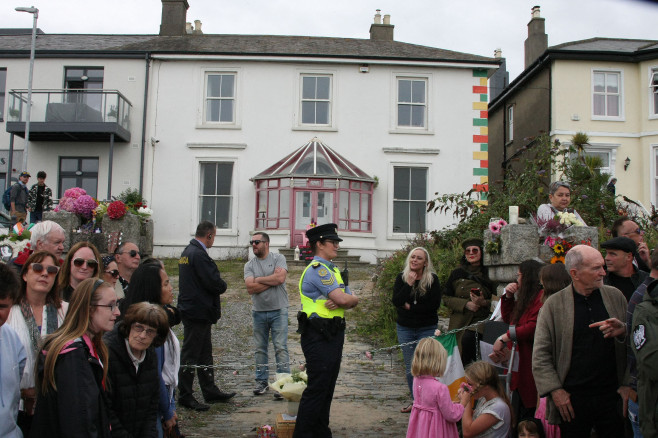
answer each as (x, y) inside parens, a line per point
(130, 228)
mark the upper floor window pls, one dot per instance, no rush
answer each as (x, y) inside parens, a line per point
(3, 89)
(607, 94)
(412, 103)
(510, 123)
(216, 193)
(316, 99)
(409, 199)
(220, 98)
(654, 91)
(88, 79)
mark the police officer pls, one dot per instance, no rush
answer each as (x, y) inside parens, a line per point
(324, 298)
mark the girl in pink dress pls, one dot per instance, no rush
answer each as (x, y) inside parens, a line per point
(433, 414)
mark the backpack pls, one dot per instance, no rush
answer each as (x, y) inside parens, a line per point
(6, 198)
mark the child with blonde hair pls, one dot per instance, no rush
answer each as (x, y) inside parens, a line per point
(433, 414)
(492, 416)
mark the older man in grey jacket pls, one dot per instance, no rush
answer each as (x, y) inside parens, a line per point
(576, 362)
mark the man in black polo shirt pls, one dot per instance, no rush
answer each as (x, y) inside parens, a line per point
(576, 363)
(622, 273)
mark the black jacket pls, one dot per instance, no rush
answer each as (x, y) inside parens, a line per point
(200, 285)
(79, 406)
(422, 308)
(133, 395)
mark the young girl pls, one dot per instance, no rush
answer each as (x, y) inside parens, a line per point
(433, 414)
(530, 428)
(492, 416)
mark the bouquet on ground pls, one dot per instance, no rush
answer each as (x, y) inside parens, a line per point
(290, 386)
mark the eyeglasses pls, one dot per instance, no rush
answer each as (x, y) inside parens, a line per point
(111, 306)
(472, 250)
(142, 329)
(256, 242)
(131, 253)
(638, 230)
(38, 268)
(335, 242)
(114, 273)
(91, 263)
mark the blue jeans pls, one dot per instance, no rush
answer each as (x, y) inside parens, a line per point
(633, 415)
(408, 334)
(276, 323)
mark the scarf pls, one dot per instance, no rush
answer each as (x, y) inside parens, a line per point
(51, 322)
(171, 362)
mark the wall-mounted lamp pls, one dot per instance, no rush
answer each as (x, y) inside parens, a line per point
(627, 162)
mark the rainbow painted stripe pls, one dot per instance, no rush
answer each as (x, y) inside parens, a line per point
(481, 139)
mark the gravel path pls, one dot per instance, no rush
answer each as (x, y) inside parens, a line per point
(368, 396)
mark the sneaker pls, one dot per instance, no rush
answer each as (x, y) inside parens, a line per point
(277, 396)
(262, 388)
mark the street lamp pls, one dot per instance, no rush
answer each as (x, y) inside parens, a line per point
(35, 14)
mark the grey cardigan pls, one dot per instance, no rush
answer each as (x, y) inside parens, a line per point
(551, 356)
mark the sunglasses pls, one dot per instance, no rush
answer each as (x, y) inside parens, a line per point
(131, 253)
(114, 273)
(472, 250)
(91, 263)
(38, 268)
(255, 242)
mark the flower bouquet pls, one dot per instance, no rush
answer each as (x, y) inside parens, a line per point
(291, 387)
(116, 210)
(493, 246)
(558, 224)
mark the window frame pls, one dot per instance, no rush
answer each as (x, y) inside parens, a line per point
(202, 121)
(298, 116)
(392, 234)
(197, 188)
(428, 125)
(653, 92)
(606, 71)
(654, 171)
(3, 93)
(74, 174)
(510, 124)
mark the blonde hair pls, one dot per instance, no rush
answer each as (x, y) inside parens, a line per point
(484, 374)
(429, 358)
(426, 279)
(64, 277)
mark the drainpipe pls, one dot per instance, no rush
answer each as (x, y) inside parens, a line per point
(10, 161)
(147, 58)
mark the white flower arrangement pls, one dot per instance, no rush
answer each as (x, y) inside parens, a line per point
(16, 246)
(568, 219)
(290, 386)
(145, 211)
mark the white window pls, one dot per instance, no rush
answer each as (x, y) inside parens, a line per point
(655, 175)
(607, 95)
(216, 193)
(316, 92)
(510, 123)
(411, 102)
(220, 99)
(654, 92)
(409, 199)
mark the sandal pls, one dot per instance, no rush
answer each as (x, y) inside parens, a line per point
(407, 409)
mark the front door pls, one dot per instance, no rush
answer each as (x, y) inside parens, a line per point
(316, 206)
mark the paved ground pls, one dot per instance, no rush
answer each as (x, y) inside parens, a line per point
(368, 396)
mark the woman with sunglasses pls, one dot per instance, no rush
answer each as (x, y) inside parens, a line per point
(111, 274)
(150, 283)
(559, 198)
(468, 296)
(38, 312)
(81, 263)
(73, 367)
(133, 384)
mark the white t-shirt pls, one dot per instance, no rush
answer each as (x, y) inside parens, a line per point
(499, 409)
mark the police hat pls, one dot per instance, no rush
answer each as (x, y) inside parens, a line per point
(322, 232)
(621, 243)
(473, 241)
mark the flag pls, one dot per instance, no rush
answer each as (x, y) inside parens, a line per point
(454, 374)
(18, 228)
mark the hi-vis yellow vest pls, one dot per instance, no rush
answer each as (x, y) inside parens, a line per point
(309, 306)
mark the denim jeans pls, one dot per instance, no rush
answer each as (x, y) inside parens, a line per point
(276, 323)
(408, 334)
(633, 415)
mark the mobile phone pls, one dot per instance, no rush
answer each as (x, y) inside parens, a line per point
(476, 291)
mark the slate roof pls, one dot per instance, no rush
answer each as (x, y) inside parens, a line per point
(617, 45)
(246, 45)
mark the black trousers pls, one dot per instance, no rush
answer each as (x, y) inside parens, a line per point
(601, 412)
(196, 350)
(322, 366)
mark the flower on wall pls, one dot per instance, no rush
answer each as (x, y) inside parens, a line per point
(84, 206)
(116, 210)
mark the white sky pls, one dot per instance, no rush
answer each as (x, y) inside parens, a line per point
(470, 26)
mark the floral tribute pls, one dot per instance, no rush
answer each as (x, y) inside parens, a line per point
(493, 246)
(291, 386)
(116, 210)
(560, 247)
(67, 202)
(558, 224)
(84, 206)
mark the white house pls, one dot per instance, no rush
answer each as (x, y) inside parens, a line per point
(275, 132)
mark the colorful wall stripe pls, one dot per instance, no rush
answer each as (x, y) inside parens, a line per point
(481, 138)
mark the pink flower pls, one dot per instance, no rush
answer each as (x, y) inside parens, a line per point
(369, 355)
(84, 206)
(550, 241)
(502, 223)
(494, 227)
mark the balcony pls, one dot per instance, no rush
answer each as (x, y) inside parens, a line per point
(71, 115)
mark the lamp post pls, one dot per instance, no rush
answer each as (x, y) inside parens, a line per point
(35, 14)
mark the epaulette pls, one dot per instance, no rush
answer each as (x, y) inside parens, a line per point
(315, 265)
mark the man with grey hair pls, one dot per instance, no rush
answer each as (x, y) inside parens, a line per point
(45, 236)
(576, 363)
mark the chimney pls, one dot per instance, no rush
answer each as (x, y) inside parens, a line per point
(378, 16)
(381, 32)
(197, 27)
(174, 13)
(498, 53)
(188, 28)
(537, 41)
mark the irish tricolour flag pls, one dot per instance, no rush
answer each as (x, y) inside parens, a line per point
(454, 375)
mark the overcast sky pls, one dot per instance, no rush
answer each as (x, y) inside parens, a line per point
(470, 26)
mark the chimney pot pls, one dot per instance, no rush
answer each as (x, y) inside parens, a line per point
(378, 16)
(536, 12)
(188, 27)
(387, 19)
(498, 53)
